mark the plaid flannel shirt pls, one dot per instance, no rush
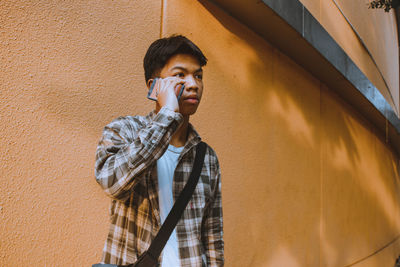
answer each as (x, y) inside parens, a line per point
(126, 159)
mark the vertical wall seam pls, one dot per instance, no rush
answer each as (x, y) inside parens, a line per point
(302, 22)
(321, 162)
(162, 19)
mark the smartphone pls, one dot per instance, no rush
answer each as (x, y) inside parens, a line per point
(152, 92)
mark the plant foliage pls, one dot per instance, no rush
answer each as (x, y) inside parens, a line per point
(385, 4)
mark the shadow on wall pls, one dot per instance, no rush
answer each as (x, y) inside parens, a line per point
(328, 177)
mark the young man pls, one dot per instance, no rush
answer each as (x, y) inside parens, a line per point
(143, 163)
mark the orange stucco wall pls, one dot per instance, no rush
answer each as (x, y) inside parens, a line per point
(307, 181)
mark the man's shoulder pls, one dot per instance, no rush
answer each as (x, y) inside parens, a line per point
(212, 164)
(212, 155)
(128, 121)
(210, 150)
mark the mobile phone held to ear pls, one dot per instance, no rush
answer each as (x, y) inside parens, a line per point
(152, 91)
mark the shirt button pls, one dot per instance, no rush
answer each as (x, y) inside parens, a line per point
(153, 141)
(169, 118)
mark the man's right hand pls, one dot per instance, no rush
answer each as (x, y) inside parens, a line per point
(166, 94)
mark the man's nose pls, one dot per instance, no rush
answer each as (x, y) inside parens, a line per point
(190, 83)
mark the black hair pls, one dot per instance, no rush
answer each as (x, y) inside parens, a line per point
(161, 50)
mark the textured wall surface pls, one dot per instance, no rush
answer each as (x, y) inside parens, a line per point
(307, 181)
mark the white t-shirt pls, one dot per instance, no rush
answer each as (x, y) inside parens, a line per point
(165, 171)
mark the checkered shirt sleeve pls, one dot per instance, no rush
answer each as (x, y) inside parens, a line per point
(127, 149)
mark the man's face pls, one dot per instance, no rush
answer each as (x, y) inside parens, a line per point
(186, 67)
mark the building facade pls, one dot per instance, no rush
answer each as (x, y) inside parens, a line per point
(301, 103)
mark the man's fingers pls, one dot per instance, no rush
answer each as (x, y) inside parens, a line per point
(169, 82)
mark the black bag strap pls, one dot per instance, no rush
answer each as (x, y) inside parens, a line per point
(157, 245)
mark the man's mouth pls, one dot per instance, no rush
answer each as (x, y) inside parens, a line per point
(192, 99)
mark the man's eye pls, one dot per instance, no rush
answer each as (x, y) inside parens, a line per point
(180, 74)
(199, 76)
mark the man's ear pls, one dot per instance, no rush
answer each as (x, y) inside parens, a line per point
(149, 82)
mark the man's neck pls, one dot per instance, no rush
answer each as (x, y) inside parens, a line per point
(179, 138)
